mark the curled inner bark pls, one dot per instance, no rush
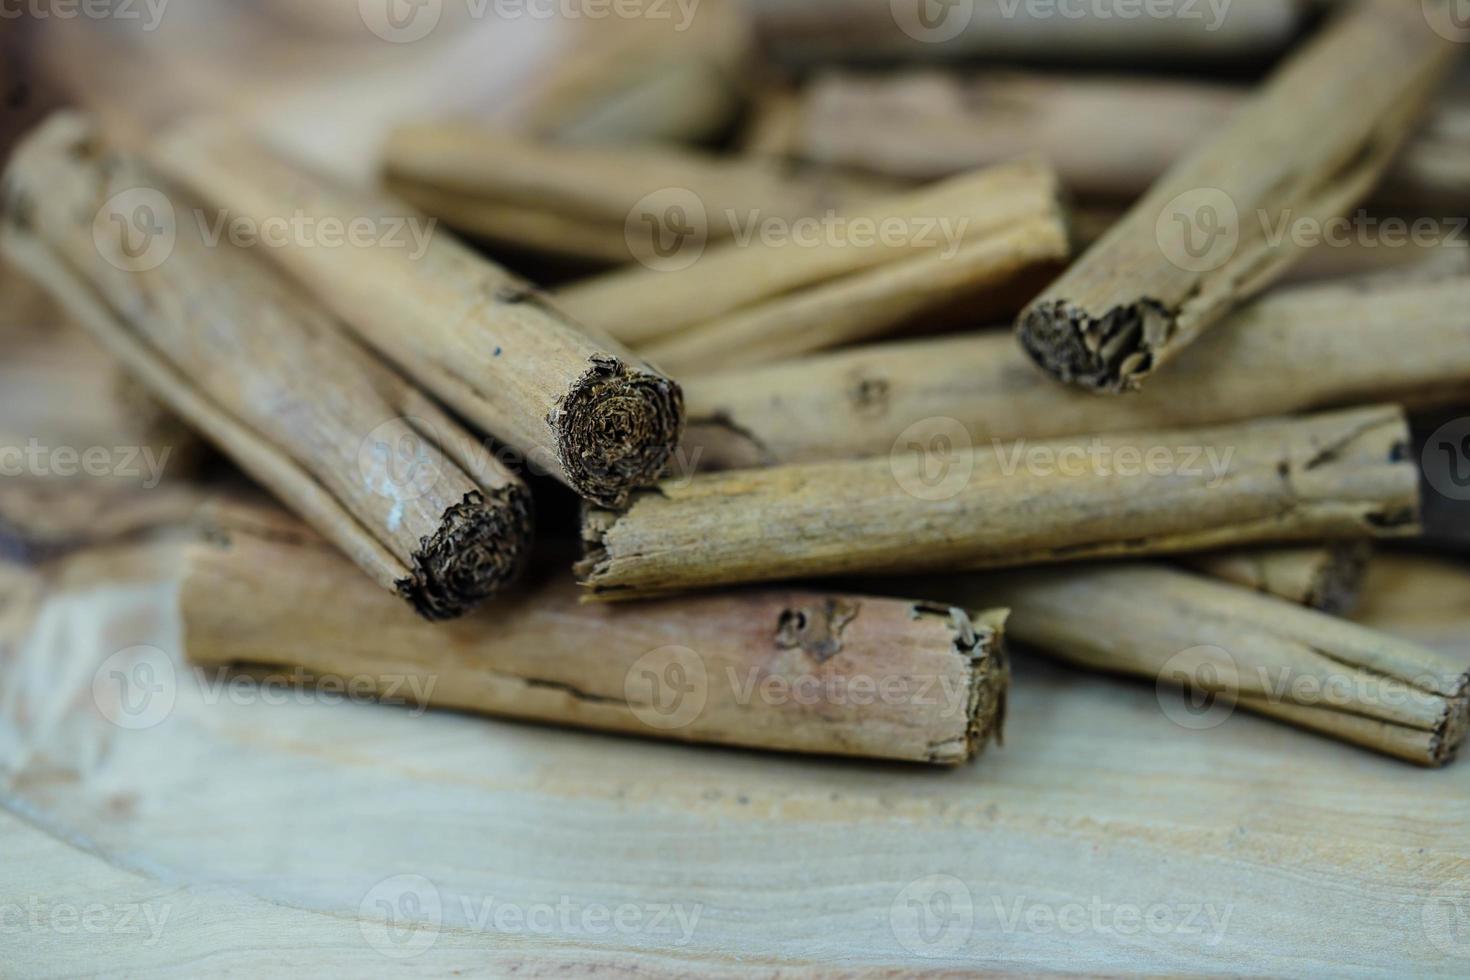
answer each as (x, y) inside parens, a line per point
(479, 548)
(617, 429)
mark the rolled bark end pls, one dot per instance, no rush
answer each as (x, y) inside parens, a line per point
(480, 547)
(1452, 730)
(1106, 354)
(1339, 582)
(981, 642)
(617, 430)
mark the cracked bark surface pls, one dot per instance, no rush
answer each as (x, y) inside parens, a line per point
(1290, 155)
(791, 670)
(1240, 647)
(1339, 474)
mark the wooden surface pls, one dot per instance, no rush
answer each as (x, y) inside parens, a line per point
(263, 831)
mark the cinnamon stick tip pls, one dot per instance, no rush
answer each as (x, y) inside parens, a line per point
(480, 547)
(617, 429)
(980, 641)
(1106, 354)
(1337, 584)
(1453, 727)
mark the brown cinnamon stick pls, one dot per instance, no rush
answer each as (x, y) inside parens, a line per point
(1309, 347)
(758, 287)
(1233, 646)
(484, 341)
(265, 374)
(1109, 137)
(1335, 475)
(584, 201)
(1328, 577)
(1202, 239)
(796, 671)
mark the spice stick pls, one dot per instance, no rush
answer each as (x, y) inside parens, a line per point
(1263, 653)
(1108, 137)
(1327, 576)
(1219, 224)
(484, 341)
(865, 304)
(474, 178)
(639, 305)
(261, 371)
(797, 671)
(863, 31)
(41, 518)
(1334, 475)
(1309, 347)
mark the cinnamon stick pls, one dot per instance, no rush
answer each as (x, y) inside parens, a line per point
(266, 375)
(1309, 347)
(1013, 208)
(1109, 137)
(1310, 144)
(583, 201)
(484, 341)
(863, 31)
(1335, 475)
(1238, 647)
(798, 671)
(1328, 576)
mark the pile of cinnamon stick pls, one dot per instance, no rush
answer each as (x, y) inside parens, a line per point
(802, 465)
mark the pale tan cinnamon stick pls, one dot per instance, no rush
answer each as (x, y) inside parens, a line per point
(266, 375)
(797, 671)
(865, 304)
(583, 201)
(1310, 347)
(1237, 647)
(754, 272)
(1334, 475)
(484, 341)
(1328, 576)
(1109, 137)
(824, 31)
(1204, 237)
